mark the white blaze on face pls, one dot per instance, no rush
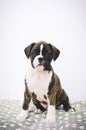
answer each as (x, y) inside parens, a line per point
(36, 61)
(41, 48)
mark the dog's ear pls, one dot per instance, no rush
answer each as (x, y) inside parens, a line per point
(55, 51)
(28, 49)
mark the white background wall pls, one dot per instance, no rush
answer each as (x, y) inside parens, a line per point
(60, 22)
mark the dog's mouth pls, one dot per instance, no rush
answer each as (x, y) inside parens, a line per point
(39, 67)
(40, 64)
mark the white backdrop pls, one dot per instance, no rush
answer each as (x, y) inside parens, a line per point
(60, 22)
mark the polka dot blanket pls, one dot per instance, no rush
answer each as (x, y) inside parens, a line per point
(64, 120)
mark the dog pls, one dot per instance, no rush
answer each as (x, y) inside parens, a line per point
(42, 84)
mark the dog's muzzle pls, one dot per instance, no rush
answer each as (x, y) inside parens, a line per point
(39, 62)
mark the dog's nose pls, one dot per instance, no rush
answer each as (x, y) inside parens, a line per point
(40, 59)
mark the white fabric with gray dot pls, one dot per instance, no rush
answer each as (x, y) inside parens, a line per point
(64, 120)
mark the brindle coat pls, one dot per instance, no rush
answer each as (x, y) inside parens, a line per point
(57, 96)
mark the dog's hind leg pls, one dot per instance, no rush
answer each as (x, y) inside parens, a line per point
(65, 102)
(38, 104)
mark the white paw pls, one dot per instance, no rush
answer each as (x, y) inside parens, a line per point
(50, 119)
(51, 116)
(37, 111)
(72, 109)
(22, 115)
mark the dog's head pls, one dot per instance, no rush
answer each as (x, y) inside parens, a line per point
(41, 55)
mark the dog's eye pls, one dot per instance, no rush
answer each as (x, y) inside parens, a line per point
(48, 53)
(35, 52)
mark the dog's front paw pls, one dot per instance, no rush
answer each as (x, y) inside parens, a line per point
(51, 114)
(22, 115)
(72, 109)
(50, 119)
(37, 111)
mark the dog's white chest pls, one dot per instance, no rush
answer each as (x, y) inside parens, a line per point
(38, 82)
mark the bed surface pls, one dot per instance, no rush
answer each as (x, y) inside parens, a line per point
(64, 120)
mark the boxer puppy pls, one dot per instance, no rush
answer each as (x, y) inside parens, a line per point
(42, 85)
